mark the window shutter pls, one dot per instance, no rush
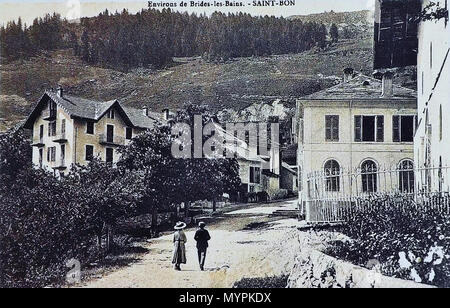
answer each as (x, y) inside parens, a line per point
(358, 128)
(380, 128)
(328, 128)
(396, 129)
(335, 128)
(48, 154)
(252, 172)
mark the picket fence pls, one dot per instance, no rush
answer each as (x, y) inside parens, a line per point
(334, 196)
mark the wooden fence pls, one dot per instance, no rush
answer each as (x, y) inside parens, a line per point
(336, 195)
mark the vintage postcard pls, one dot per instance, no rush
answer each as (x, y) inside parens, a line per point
(214, 144)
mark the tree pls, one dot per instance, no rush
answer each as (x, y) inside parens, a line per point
(106, 193)
(150, 154)
(334, 33)
(206, 178)
(41, 222)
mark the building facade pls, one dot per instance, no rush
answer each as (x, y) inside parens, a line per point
(69, 130)
(432, 140)
(362, 123)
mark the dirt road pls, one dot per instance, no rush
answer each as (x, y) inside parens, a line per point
(244, 244)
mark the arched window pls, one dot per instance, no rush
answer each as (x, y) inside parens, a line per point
(406, 176)
(369, 176)
(332, 175)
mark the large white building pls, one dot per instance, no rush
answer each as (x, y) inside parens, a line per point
(432, 139)
(361, 123)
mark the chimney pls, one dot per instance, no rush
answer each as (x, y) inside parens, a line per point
(59, 91)
(166, 113)
(387, 84)
(145, 111)
(348, 74)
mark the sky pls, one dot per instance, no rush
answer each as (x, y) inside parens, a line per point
(73, 9)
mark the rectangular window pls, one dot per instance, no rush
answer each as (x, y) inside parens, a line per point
(332, 128)
(109, 155)
(110, 114)
(403, 128)
(90, 128)
(52, 129)
(110, 133)
(369, 128)
(89, 152)
(129, 133)
(51, 154)
(41, 132)
(41, 157)
(255, 175)
(63, 126)
(63, 154)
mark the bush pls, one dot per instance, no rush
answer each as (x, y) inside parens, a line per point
(45, 221)
(408, 241)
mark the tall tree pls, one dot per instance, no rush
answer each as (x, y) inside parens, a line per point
(334, 33)
(150, 154)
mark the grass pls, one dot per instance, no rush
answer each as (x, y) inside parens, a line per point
(262, 283)
(235, 84)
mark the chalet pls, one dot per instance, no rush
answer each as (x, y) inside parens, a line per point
(71, 130)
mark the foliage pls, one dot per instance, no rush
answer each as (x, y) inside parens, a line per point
(106, 193)
(19, 41)
(408, 241)
(205, 178)
(432, 11)
(151, 37)
(334, 33)
(276, 282)
(40, 226)
(45, 221)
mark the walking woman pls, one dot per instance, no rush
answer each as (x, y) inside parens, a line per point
(179, 240)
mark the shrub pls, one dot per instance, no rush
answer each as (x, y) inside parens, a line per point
(409, 241)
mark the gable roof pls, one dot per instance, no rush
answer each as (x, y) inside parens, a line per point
(360, 87)
(88, 109)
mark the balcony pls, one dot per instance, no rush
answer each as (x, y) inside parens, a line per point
(38, 143)
(49, 115)
(111, 140)
(60, 166)
(60, 138)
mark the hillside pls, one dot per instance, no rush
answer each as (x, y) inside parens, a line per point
(358, 17)
(234, 84)
(350, 24)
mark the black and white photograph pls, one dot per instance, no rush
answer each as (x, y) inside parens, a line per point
(224, 151)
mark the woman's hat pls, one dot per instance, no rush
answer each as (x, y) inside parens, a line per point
(180, 225)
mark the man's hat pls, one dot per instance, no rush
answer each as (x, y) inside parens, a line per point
(201, 224)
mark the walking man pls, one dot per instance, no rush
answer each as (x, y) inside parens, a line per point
(202, 237)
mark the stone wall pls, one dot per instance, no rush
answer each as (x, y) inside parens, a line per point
(314, 269)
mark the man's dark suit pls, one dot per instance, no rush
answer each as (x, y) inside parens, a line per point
(202, 237)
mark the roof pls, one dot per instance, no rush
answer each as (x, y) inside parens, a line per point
(89, 109)
(289, 168)
(360, 87)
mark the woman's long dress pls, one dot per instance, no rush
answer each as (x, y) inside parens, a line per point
(179, 254)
